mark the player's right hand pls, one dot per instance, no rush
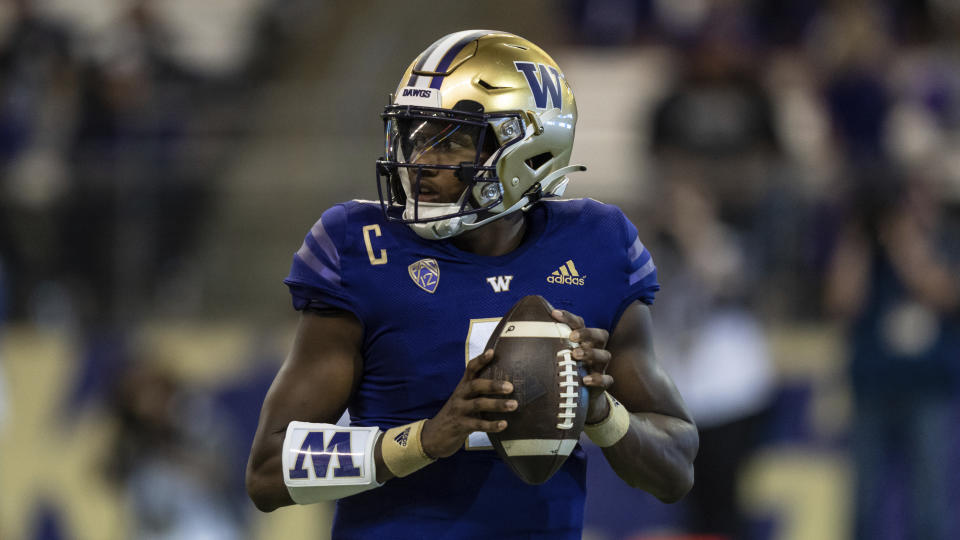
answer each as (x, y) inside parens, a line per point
(460, 416)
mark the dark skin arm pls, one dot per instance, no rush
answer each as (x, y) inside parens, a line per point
(315, 384)
(657, 454)
(316, 381)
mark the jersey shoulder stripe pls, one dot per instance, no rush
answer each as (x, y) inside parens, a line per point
(319, 254)
(641, 262)
(318, 276)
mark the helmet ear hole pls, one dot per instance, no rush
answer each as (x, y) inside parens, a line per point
(538, 160)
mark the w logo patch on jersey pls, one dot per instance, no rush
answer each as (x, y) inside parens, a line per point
(500, 283)
(426, 274)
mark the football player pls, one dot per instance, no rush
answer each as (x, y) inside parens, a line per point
(399, 297)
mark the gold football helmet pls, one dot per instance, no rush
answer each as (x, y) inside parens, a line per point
(489, 106)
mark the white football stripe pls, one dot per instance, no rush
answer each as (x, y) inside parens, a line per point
(535, 329)
(539, 447)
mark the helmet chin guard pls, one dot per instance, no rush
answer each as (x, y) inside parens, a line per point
(442, 227)
(434, 223)
(488, 109)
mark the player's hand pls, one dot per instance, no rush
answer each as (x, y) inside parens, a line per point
(595, 359)
(460, 416)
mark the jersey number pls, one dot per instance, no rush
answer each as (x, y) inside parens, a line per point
(477, 337)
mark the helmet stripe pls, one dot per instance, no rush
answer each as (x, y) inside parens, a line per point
(423, 60)
(452, 53)
(434, 56)
(431, 57)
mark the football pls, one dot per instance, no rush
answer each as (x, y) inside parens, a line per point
(531, 350)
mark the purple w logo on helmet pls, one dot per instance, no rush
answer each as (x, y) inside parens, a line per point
(547, 84)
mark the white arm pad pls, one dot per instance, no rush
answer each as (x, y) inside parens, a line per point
(323, 462)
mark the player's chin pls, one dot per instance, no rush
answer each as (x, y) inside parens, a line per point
(435, 198)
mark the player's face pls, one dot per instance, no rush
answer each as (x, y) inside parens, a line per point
(435, 142)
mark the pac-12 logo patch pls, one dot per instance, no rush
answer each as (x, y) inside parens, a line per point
(426, 274)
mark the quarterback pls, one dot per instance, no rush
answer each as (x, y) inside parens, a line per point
(399, 297)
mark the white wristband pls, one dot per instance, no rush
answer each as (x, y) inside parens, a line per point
(323, 462)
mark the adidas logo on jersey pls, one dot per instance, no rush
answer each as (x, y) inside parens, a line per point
(566, 275)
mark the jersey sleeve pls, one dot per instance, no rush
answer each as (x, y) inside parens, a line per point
(641, 271)
(316, 278)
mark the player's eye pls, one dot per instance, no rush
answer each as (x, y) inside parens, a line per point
(461, 143)
(453, 144)
(418, 141)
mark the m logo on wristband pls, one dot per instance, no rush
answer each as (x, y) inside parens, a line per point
(338, 445)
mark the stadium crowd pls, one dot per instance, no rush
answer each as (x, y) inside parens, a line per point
(801, 167)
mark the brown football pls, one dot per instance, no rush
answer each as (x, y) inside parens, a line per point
(531, 350)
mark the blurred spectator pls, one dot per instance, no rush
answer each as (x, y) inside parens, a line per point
(721, 249)
(716, 351)
(172, 459)
(850, 44)
(115, 118)
(152, 127)
(717, 123)
(36, 78)
(717, 128)
(610, 22)
(893, 279)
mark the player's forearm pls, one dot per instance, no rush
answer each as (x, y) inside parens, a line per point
(264, 477)
(656, 455)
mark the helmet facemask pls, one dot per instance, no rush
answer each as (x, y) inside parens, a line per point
(425, 149)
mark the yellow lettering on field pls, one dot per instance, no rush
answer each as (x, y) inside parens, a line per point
(46, 457)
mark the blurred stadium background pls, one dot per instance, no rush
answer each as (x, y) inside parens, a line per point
(160, 161)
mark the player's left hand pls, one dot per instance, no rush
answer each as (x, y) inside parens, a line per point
(595, 359)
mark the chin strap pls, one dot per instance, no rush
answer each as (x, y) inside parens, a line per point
(538, 191)
(535, 193)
